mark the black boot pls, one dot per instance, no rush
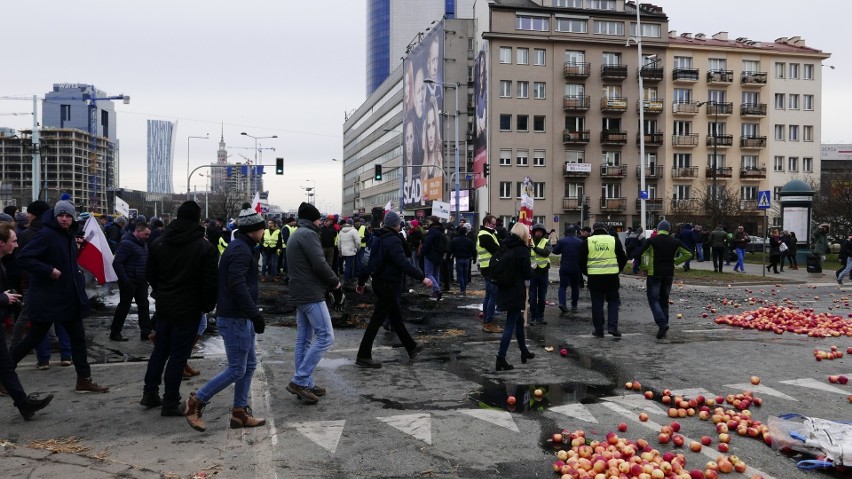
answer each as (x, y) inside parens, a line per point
(31, 405)
(150, 400)
(526, 355)
(171, 409)
(502, 365)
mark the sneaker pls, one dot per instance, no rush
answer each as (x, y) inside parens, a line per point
(318, 391)
(86, 385)
(413, 353)
(365, 363)
(302, 392)
(563, 309)
(661, 332)
(32, 404)
(66, 362)
(43, 366)
(150, 400)
(491, 328)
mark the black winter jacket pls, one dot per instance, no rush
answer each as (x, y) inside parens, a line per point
(512, 298)
(463, 247)
(432, 242)
(237, 291)
(131, 258)
(394, 264)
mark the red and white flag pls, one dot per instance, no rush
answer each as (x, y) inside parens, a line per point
(255, 203)
(95, 254)
(388, 207)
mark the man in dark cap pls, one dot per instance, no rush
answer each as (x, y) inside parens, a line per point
(602, 258)
(182, 271)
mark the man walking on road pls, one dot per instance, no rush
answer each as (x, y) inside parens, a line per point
(487, 245)
(271, 246)
(311, 277)
(718, 239)
(540, 258)
(662, 253)
(602, 258)
(569, 268)
(131, 259)
(740, 240)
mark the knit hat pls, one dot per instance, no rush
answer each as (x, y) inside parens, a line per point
(250, 220)
(190, 211)
(664, 226)
(415, 223)
(392, 219)
(350, 222)
(571, 230)
(37, 208)
(141, 219)
(21, 218)
(10, 210)
(290, 219)
(64, 207)
(539, 226)
(121, 220)
(309, 212)
(6, 218)
(599, 226)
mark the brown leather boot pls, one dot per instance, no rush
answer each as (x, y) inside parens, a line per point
(241, 417)
(193, 410)
(189, 371)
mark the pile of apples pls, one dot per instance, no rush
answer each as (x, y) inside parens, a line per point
(834, 353)
(780, 319)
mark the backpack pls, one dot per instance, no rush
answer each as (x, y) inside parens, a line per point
(501, 268)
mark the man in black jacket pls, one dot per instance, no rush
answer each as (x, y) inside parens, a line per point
(602, 258)
(663, 253)
(131, 258)
(182, 272)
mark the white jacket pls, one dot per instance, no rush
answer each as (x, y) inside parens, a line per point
(349, 241)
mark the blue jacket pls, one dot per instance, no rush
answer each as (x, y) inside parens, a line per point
(131, 258)
(61, 299)
(687, 237)
(237, 291)
(394, 264)
(569, 248)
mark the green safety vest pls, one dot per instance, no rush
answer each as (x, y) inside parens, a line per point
(292, 229)
(602, 259)
(222, 245)
(362, 230)
(539, 261)
(270, 238)
(483, 257)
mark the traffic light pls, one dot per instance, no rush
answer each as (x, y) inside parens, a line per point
(585, 212)
(279, 166)
(378, 174)
(486, 170)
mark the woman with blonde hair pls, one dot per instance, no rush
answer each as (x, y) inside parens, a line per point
(512, 298)
(431, 172)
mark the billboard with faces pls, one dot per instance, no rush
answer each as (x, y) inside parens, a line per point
(422, 124)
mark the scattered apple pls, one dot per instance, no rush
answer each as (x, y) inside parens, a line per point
(675, 426)
(723, 447)
(556, 438)
(679, 316)
(695, 446)
(538, 393)
(643, 416)
(649, 395)
(755, 380)
(842, 379)
(622, 427)
(706, 441)
(511, 400)
(563, 352)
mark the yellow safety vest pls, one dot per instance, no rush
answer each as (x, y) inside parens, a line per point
(483, 257)
(270, 238)
(222, 245)
(362, 230)
(602, 259)
(292, 229)
(539, 261)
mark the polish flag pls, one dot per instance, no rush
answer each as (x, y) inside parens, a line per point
(255, 203)
(388, 207)
(95, 254)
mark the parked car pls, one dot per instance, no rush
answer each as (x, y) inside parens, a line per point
(756, 245)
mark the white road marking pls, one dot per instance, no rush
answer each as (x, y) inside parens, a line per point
(760, 388)
(636, 401)
(500, 418)
(577, 411)
(814, 384)
(692, 392)
(325, 433)
(417, 425)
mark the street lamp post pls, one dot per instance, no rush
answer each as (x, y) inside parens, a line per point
(714, 164)
(206, 137)
(401, 162)
(249, 184)
(455, 87)
(638, 40)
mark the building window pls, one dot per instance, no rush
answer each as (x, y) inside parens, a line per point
(608, 28)
(808, 164)
(506, 55)
(539, 57)
(682, 95)
(794, 71)
(778, 163)
(780, 133)
(610, 190)
(683, 160)
(751, 66)
(505, 189)
(794, 101)
(505, 122)
(681, 192)
(808, 102)
(720, 160)
(650, 30)
(748, 162)
(538, 191)
(523, 123)
(568, 3)
(780, 104)
(505, 157)
(539, 90)
(505, 88)
(776, 195)
(780, 69)
(611, 158)
(523, 89)
(536, 24)
(602, 5)
(611, 58)
(575, 156)
(523, 56)
(794, 132)
(683, 63)
(807, 133)
(522, 158)
(538, 123)
(748, 192)
(538, 157)
(808, 71)
(572, 25)
(793, 163)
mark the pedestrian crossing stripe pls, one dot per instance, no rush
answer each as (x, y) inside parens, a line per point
(576, 410)
(325, 433)
(418, 426)
(763, 201)
(760, 388)
(636, 401)
(814, 384)
(500, 418)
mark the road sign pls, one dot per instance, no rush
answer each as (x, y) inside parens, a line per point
(763, 200)
(643, 195)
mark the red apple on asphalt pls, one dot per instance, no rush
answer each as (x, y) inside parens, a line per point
(563, 352)
(622, 426)
(695, 446)
(678, 440)
(511, 400)
(696, 474)
(643, 416)
(833, 379)
(663, 438)
(706, 441)
(649, 395)
(556, 438)
(755, 380)
(723, 447)
(675, 426)
(842, 379)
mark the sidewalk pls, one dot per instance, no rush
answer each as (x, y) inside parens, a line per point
(757, 270)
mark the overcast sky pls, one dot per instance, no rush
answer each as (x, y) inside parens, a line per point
(292, 68)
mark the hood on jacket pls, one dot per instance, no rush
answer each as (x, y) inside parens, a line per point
(50, 222)
(181, 231)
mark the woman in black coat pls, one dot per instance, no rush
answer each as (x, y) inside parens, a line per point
(512, 299)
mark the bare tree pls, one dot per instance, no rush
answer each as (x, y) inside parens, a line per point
(225, 203)
(832, 204)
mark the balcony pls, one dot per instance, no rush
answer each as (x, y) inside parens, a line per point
(685, 141)
(613, 72)
(722, 172)
(574, 203)
(684, 107)
(716, 77)
(574, 70)
(575, 137)
(715, 109)
(651, 73)
(753, 79)
(752, 142)
(576, 170)
(685, 75)
(753, 109)
(613, 204)
(651, 204)
(679, 172)
(576, 102)
(720, 141)
(748, 205)
(651, 171)
(613, 137)
(683, 205)
(753, 173)
(613, 171)
(613, 104)
(654, 106)
(652, 138)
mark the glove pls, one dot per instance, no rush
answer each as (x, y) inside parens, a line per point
(259, 323)
(339, 298)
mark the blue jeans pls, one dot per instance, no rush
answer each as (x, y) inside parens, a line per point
(612, 302)
(657, 290)
(514, 324)
(846, 270)
(238, 336)
(462, 266)
(358, 258)
(538, 294)
(740, 260)
(312, 319)
(699, 252)
(270, 263)
(43, 349)
(433, 272)
(567, 278)
(489, 302)
(348, 268)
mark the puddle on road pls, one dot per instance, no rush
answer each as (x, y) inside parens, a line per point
(496, 396)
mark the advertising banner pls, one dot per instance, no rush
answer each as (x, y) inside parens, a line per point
(422, 124)
(480, 138)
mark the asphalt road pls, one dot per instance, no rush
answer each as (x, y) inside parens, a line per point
(445, 415)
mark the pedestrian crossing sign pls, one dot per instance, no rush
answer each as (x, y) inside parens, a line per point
(763, 200)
